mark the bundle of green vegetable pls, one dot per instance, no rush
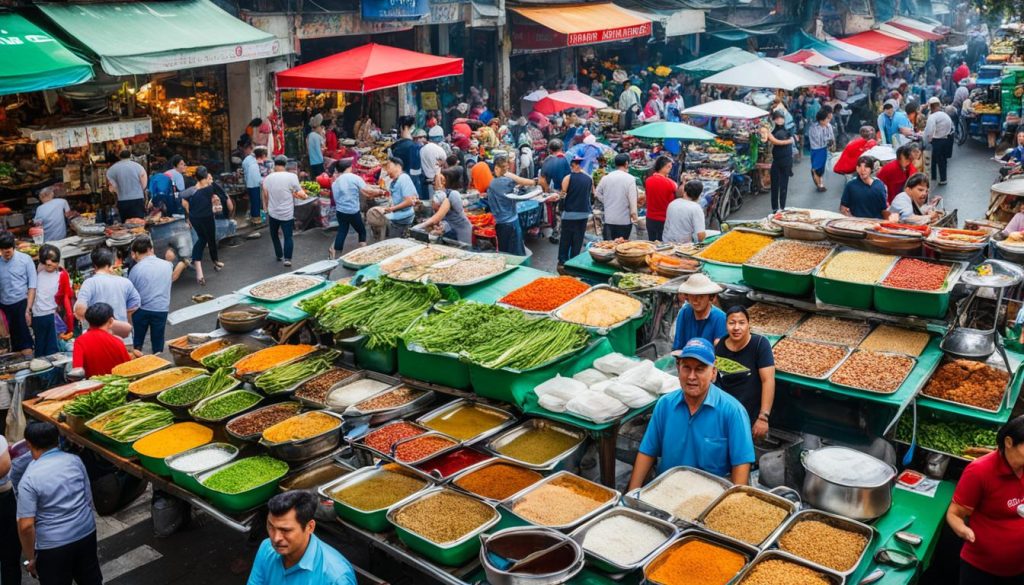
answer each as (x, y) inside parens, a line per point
(728, 366)
(246, 474)
(226, 405)
(496, 337)
(953, 437)
(382, 309)
(285, 377)
(313, 304)
(226, 357)
(132, 421)
(195, 390)
(114, 393)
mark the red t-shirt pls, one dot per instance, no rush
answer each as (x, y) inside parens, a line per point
(98, 352)
(847, 163)
(991, 489)
(962, 72)
(895, 178)
(660, 190)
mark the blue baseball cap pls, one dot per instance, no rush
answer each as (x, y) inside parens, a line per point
(699, 349)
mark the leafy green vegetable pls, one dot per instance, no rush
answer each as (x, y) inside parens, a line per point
(226, 357)
(227, 404)
(382, 309)
(313, 304)
(951, 437)
(134, 420)
(114, 393)
(285, 377)
(195, 390)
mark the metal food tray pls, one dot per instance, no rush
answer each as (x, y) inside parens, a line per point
(832, 577)
(452, 253)
(360, 443)
(510, 418)
(668, 529)
(741, 548)
(320, 405)
(634, 499)
(827, 374)
(291, 389)
(307, 448)
(819, 271)
(508, 268)
(894, 354)
(534, 423)
(198, 406)
(956, 269)
(229, 448)
(792, 327)
(381, 415)
(313, 281)
(792, 333)
(989, 363)
(255, 436)
(253, 375)
(557, 313)
(769, 497)
(391, 381)
(359, 475)
(477, 467)
(152, 395)
(406, 244)
(807, 272)
(226, 348)
(429, 492)
(181, 410)
(612, 500)
(836, 522)
(411, 465)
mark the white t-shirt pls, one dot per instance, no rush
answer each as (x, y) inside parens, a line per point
(51, 215)
(684, 219)
(47, 284)
(281, 186)
(431, 157)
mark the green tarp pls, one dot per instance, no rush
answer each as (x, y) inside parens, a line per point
(719, 61)
(33, 60)
(133, 38)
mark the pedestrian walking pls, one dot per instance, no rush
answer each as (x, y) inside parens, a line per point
(55, 513)
(280, 190)
(506, 216)
(617, 192)
(17, 292)
(200, 209)
(578, 189)
(782, 159)
(821, 136)
(938, 132)
(348, 190)
(253, 180)
(151, 276)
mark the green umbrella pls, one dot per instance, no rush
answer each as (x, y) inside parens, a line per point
(670, 130)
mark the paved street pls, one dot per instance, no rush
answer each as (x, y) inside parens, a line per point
(207, 553)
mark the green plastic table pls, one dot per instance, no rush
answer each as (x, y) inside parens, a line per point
(285, 311)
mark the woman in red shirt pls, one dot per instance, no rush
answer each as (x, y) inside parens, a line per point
(660, 191)
(990, 495)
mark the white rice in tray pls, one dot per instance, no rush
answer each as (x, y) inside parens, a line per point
(622, 539)
(684, 494)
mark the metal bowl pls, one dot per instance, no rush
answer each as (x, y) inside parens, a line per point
(497, 576)
(306, 449)
(601, 255)
(257, 319)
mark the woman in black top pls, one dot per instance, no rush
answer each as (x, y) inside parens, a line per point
(578, 188)
(200, 209)
(782, 159)
(754, 387)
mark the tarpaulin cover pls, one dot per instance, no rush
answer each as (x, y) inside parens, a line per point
(148, 37)
(33, 60)
(810, 58)
(766, 73)
(368, 68)
(717, 61)
(924, 34)
(583, 24)
(878, 42)
(832, 50)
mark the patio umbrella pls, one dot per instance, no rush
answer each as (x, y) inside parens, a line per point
(671, 130)
(726, 109)
(368, 68)
(563, 100)
(536, 95)
(762, 73)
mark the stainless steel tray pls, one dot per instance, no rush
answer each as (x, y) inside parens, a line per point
(510, 418)
(832, 577)
(635, 498)
(613, 498)
(227, 447)
(360, 475)
(405, 244)
(312, 280)
(791, 329)
(836, 522)
(557, 313)
(668, 529)
(745, 550)
(955, 270)
(477, 467)
(495, 444)
(199, 405)
(793, 333)
(905, 376)
(256, 436)
(360, 375)
(320, 405)
(827, 374)
(411, 465)
(508, 268)
(308, 448)
(253, 375)
(475, 533)
(382, 415)
(360, 442)
(778, 501)
(990, 363)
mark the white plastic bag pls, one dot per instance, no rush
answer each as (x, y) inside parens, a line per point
(560, 386)
(552, 403)
(596, 407)
(628, 394)
(600, 386)
(590, 376)
(669, 384)
(613, 364)
(643, 375)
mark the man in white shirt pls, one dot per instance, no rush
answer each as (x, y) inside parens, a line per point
(617, 191)
(684, 218)
(52, 214)
(253, 178)
(280, 190)
(128, 179)
(938, 132)
(432, 157)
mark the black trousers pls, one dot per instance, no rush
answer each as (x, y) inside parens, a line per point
(612, 231)
(131, 208)
(570, 241)
(655, 229)
(780, 184)
(942, 148)
(206, 229)
(10, 546)
(971, 575)
(76, 561)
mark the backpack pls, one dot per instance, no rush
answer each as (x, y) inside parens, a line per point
(161, 185)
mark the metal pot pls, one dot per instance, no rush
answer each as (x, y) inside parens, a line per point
(867, 497)
(496, 576)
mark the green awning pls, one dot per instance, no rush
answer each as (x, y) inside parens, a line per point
(148, 37)
(33, 60)
(727, 58)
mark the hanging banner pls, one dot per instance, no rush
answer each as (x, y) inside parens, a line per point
(340, 24)
(394, 9)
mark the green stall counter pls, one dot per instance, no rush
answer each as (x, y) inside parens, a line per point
(286, 311)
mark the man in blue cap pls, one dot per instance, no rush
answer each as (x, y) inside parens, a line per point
(698, 425)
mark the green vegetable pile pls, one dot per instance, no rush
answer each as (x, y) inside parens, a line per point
(950, 437)
(7, 169)
(313, 304)
(496, 337)
(246, 474)
(195, 390)
(285, 377)
(134, 420)
(382, 309)
(728, 366)
(226, 405)
(114, 393)
(312, 188)
(226, 357)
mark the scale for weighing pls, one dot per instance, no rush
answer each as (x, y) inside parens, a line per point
(979, 344)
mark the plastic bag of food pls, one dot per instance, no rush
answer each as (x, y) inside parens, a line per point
(613, 364)
(552, 403)
(601, 386)
(590, 376)
(596, 407)
(628, 394)
(643, 375)
(560, 386)
(668, 384)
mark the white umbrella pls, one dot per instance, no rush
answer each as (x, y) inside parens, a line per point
(797, 69)
(536, 95)
(761, 73)
(726, 109)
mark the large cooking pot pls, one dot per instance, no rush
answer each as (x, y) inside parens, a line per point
(847, 482)
(520, 542)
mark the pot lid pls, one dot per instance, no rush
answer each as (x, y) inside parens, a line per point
(848, 467)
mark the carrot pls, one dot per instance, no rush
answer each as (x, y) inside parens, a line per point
(545, 294)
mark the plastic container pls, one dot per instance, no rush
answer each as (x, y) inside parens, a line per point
(434, 368)
(920, 303)
(372, 520)
(843, 293)
(243, 501)
(384, 361)
(187, 480)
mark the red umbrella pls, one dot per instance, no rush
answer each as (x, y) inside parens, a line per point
(564, 100)
(368, 68)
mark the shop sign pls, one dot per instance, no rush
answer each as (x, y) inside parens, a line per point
(78, 136)
(527, 38)
(340, 24)
(175, 60)
(394, 9)
(446, 13)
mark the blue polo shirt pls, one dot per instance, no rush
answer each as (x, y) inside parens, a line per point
(55, 492)
(503, 208)
(17, 275)
(865, 200)
(687, 327)
(716, 438)
(151, 278)
(319, 565)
